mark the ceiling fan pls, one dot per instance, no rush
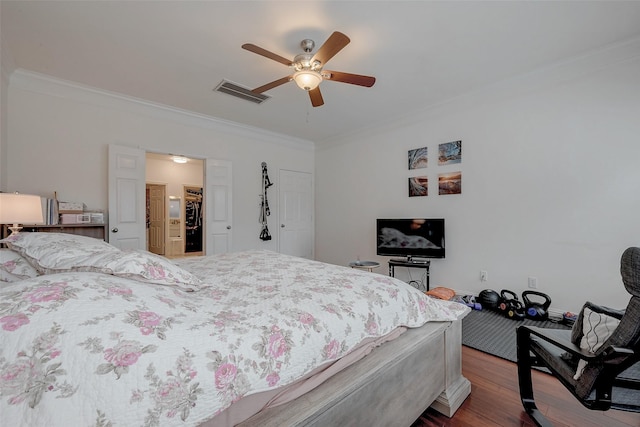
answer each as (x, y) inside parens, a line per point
(309, 69)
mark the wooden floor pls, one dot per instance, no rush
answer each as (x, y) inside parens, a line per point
(495, 401)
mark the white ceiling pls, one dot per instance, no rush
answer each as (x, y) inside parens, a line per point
(422, 53)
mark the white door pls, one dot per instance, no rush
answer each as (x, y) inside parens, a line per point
(127, 213)
(296, 214)
(218, 204)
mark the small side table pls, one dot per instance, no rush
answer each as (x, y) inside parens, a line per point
(364, 265)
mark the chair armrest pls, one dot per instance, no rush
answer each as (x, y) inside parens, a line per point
(559, 338)
(612, 353)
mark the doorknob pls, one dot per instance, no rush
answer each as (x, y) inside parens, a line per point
(114, 229)
(228, 227)
(281, 225)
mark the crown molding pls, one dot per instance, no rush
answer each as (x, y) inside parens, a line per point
(48, 85)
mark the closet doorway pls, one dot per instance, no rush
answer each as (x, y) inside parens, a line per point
(182, 232)
(193, 220)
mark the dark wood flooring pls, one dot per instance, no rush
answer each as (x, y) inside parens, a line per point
(495, 401)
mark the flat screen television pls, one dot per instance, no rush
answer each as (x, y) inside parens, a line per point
(411, 237)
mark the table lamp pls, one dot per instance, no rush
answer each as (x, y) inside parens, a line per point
(20, 209)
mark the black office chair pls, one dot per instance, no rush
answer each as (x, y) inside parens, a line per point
(603, 384)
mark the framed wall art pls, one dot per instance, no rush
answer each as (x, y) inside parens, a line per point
(418, 158)
(450, 183)
(418, 186)
(450, 153)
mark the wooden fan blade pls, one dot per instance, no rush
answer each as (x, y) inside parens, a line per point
(316, 97)
(260, 51)
(273, 84)
(333, 45)
(354, 79)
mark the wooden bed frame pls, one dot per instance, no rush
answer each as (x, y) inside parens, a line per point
(391, 386)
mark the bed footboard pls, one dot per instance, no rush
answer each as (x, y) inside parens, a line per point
(391, 386)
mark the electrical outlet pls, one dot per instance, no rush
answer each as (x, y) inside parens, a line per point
(484, 276)
(533, 282)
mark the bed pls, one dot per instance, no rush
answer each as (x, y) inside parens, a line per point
(92, 335)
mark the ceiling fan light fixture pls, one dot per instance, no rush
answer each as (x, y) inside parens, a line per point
(307, 79)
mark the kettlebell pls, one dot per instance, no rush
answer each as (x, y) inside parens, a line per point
(489, 299)
(507, 301)
(536, 310)
(516, 311)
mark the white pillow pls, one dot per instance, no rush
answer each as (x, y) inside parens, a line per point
(145, 267)
(8, 278)
(59, 252)
(14, 266)
(596, 329)
(56, 252)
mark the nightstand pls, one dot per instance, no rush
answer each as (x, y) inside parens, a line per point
(364, 265)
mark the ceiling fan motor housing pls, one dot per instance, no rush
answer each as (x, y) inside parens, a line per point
(307, 45)
(303, 62)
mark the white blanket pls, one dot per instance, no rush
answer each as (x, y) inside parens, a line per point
(85, 349)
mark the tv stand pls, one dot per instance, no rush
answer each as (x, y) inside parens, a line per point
(410, 263)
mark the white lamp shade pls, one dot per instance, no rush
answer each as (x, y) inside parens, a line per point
(307, 80)
(20, 209)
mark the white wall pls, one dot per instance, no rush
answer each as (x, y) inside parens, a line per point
(6, 67)
(58, 136)
(550, 177)
(4, 90)
(550, 188)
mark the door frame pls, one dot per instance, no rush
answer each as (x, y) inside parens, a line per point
(136, 160)
(174, 184)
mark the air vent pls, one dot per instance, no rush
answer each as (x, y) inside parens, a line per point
(238, 91)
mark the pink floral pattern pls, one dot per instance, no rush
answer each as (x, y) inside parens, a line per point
(168, 357)
(122, 355)
(231, 383)
(33, 373)
(173, 396)
(331, 350)
(52, 292)
(150, 322)
(278, 345)
(12, 322)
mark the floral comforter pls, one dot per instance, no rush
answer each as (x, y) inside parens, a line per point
(91, 349)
